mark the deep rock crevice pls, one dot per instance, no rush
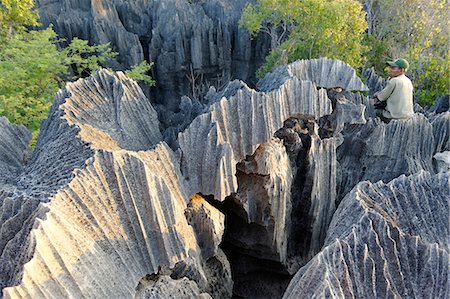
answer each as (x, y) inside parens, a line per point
(104, 200)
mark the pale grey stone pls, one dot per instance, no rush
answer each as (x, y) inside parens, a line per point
(385, 240)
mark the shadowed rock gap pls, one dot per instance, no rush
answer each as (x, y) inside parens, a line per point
(252, 276)
(258, 267)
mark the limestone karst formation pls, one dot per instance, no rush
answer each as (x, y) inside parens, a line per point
(292, 189)
(181, 37)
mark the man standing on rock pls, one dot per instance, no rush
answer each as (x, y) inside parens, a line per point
(395, 101)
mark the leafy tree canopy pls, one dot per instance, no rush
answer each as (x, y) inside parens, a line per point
(33, 69)
(417, 30)
(15, 15)
(308, 29)
(139, 73)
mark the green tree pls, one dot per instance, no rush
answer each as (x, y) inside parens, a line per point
(308, 29)
(15, 15)
(84, 58)
(417, 30)
(30, 68)
(140, 73)
(33, 69)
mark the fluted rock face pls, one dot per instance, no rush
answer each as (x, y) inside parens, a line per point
(208, 223)
(13, 149)
(264, 194)
(115, 222)
(178, 35)
(374, 82)
(115, 212)
(17, 214)
(104, 116)
(385, 240)
(379, 151)
(105, 212)
(97, 21)
(235, 126)
(441, 132)
(163, 286)
(324, 72)
(313, 191)
(285, 195)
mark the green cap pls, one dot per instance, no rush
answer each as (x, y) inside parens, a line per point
(401, 63)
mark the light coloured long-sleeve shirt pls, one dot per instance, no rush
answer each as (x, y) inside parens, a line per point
(399, 96)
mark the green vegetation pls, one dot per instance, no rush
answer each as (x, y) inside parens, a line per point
(33, 69)
(15, 15)
(85, 59)
(417, 30)
(308, 29)
(139, 73)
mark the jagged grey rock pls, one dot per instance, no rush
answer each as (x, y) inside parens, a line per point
(163, 286)
(239, 133)
(208, 224)
(97, 21)
(14, 149)
(373, 81)
(111, 223)
(17, 214)
(441, 131)
(177, 35)
(264, 194)
(324, 72)
(313, 192)
(442, 161)
(378, 151)
(104, 115)
(235, 126)
(109, 204)
(441, 105)
(385, 240)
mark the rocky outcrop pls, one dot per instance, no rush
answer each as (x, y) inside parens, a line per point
(235, 126)
(378, 151)
(185, 39)
(324, 72)
(108, 206)
(163, 286)
(97, 21)
(13, 149)
(385, 240)
(442, 105)
(208, 223)
(373, 81)
(441, 131)
(246, 192)
(280, 210)
(265, 181)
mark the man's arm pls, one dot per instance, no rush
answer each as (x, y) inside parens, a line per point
(386, 92)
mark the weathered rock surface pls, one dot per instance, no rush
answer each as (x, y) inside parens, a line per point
(385, 240)
(179, 36)
(378, 151)
(13, 149)
(163, 286)
(235, 126)
(441, 131)
(115, 212)
(442, 161)
(106, 202)
(207, 222)
(264, 196)
(324, 72)
(281, 209)
(373, 81)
